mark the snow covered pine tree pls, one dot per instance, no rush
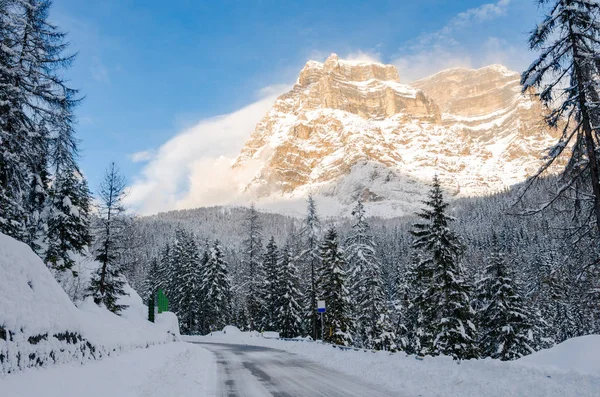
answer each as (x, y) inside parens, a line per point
(332, 289)
(445, 317)
(252, 269)
(506, 327)
(269, 291)
(215, 291)
(373, 328)
(289, 308)
(309, 260)
(185, 281)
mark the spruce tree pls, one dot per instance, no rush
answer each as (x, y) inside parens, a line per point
(270, 294)
(68, 221)
(370, 311)
(289, 310)
(566, 78)
(332, 289)
(445, 317)
(107, 283)
(185, 296)
(506, 327)
(254, 275)
(215, 291)
(310, 260)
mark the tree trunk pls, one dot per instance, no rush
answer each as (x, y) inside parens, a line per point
(590, 145)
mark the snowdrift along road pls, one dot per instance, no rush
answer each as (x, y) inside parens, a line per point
(39, 325)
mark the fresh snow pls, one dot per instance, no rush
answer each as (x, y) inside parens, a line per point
(580, 354)
(172, 370)
(35, 309)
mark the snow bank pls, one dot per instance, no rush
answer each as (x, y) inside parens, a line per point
(39, 325)
(580, 354)
(176, 369)
(434, 376)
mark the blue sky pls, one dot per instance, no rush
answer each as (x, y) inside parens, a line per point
(153, 71)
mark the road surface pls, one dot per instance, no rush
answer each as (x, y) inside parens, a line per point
(254, 371)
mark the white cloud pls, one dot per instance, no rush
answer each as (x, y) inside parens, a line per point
(143, 156)
(364, 56)
(482, 13)
(194, 167)
(425, 63)
(433, 52)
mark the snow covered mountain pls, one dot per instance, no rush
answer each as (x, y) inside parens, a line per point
(350, 129)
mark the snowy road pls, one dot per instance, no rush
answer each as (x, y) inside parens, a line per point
(254, 371)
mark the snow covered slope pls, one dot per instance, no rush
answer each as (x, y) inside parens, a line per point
(176, 369)
(39, 325)
(348, 130)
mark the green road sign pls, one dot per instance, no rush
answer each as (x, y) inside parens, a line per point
(163, 302)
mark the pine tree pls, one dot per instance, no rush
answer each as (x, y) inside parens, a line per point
(68, 221)
(215, 291)
(254, 275)
(566, 75)
(505, 325)
(108, 283)
(370, 312)
(332, 289)
(36, 107)
(310, 260)
(152, 278)
(269, 291)
(445, 317)
(185, 296)
(401, 312)
(289, 310)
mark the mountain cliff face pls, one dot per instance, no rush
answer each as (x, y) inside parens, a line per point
(351, 130)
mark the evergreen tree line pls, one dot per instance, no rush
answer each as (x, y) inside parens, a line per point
(436, 306)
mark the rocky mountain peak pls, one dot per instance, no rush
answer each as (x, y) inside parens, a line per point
(350, 129)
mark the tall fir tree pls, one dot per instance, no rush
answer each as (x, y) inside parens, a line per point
(332, 289)
(107, 283)
(373, 328)
(506, 327)
(270, 294)
(186, 279)
(215, 291)
(289, 305)
(310, 260)
(254, 275)
(445, 317)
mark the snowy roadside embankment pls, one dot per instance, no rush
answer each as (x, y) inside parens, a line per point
(39, 325)
(438, 376)
(176, 369)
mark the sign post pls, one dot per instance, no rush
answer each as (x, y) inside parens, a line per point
(321, 309)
